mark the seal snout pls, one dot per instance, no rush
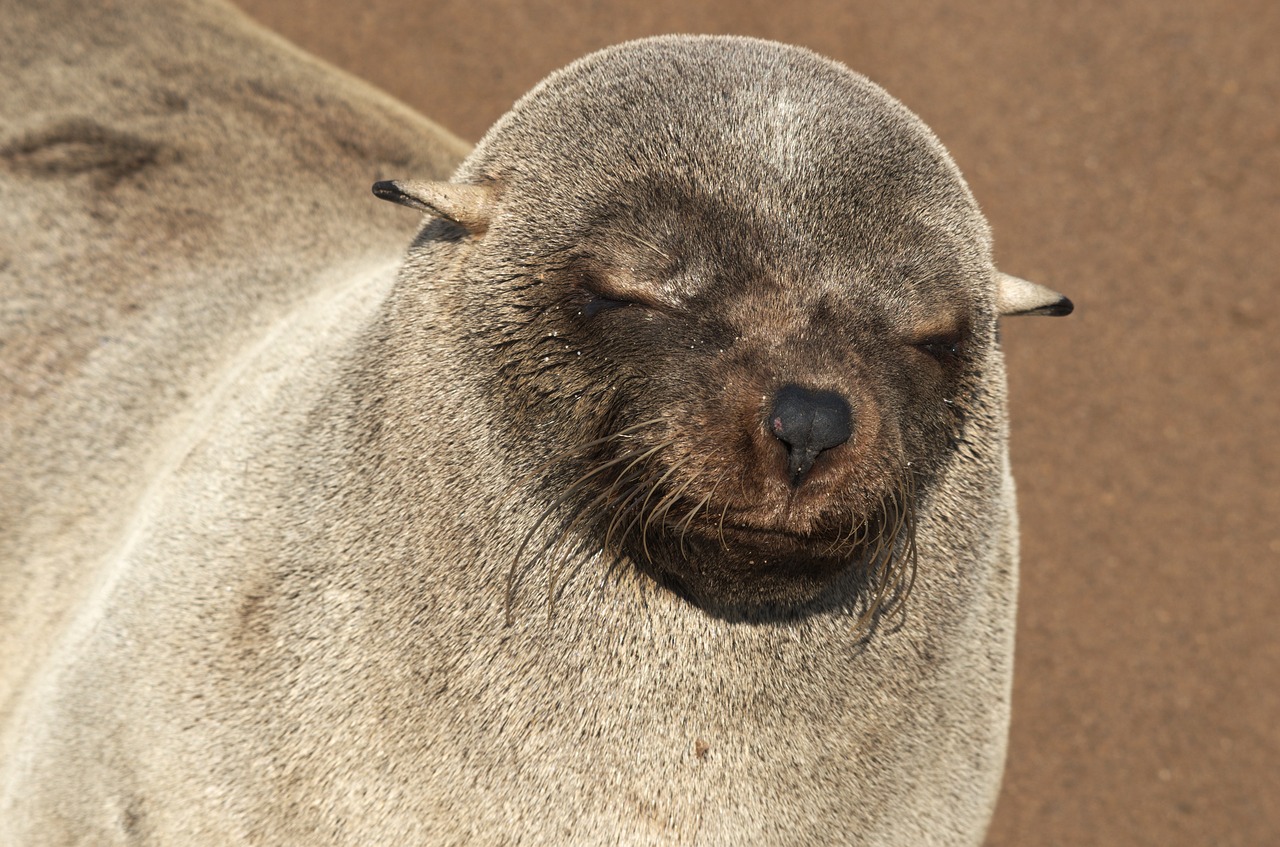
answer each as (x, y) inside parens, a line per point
(808, 422)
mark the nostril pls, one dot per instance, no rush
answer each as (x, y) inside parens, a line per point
(808, 422)
(803, 415)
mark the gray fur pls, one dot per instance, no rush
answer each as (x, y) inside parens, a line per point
(262, 494)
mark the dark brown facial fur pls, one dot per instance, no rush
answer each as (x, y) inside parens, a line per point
(656, 348)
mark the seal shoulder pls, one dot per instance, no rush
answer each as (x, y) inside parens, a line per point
(177, 181)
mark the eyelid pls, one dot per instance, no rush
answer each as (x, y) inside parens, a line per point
(639, 298)
(949, 326)
(608, 284)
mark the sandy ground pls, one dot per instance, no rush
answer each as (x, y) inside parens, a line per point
(1128, 154)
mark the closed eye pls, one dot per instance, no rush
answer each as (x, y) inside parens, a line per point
(599, 303)
(603, 294)
(944, 347)
(939, 348)
(602, 288)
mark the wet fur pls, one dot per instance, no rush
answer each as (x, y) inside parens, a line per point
(298, 548)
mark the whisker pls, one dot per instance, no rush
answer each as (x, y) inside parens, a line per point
(892, 573)
(567, 533)
(563, 498)
(640, 513)
(850, 538)
(512, 583)
(877, 567)
(910, 565)
(644, 531)
(518, 487)
(586, 512)
(620, 509)
(640, 457)
(664, 507)
(688, 521)
(723, 545)
(618, 512)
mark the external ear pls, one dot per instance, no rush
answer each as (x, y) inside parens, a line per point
(468, 206)
(1018, 297)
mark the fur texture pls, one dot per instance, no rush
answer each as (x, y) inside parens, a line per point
(497, 549)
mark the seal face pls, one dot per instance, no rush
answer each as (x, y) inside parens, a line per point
(735, 300)
(766, 422)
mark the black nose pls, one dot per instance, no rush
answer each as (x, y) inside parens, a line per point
(808, 422)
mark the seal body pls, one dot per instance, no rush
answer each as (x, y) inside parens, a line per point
(660, 496)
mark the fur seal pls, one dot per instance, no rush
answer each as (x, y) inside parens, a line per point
(660, 496)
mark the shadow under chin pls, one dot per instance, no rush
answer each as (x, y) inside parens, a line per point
(868, 581)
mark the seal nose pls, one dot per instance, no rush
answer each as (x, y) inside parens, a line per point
(808, 422)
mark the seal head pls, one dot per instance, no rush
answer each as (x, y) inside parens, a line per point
(734, 304)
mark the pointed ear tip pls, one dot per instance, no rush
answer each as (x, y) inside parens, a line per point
(1017, 296)
(395, 191)
(1059, 308)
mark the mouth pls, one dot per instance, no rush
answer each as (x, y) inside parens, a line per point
(766, 537)
(839, 549)
(822, 542)
(733, 566)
